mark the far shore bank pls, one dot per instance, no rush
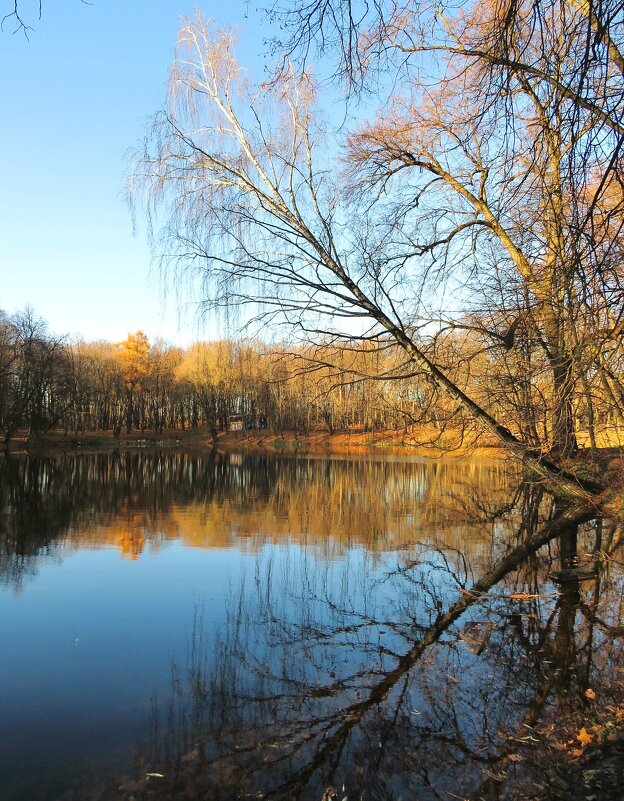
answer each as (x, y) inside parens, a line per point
(349, 443)
(419, 444)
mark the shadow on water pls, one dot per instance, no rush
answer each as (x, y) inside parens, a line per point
(425, 681)
(399, 630)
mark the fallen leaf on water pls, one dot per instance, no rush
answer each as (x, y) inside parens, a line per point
(590, 694)
(576, 752)
(521, 596)
(584, 737)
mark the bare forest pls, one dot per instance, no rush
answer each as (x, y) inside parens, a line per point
(50, 384)
(446, 254)
(469, 229)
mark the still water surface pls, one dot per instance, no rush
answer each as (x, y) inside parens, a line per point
(245, 623)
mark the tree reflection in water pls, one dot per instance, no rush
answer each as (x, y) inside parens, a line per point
(137, 500)
(361, 652)
(444, 678)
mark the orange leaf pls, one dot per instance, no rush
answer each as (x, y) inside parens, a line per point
(584, 737)
(590, 694)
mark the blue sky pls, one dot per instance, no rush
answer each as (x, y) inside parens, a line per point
(74, 97)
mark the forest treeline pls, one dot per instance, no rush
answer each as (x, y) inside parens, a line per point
(469, 208)
(48, 382)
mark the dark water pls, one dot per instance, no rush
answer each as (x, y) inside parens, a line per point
(246, 624)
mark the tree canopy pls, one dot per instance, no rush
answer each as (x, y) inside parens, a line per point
(488, 202)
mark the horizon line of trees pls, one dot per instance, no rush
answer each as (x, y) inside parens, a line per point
(48, 382)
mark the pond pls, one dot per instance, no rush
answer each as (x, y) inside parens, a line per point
(201, 625)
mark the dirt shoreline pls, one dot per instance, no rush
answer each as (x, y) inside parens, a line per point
(314, 443)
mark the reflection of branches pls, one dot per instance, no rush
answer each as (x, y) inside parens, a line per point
(49, 503)
(302, 691)
(354, 714)
(608, 541)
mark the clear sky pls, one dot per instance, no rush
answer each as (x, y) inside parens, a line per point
(74, 97)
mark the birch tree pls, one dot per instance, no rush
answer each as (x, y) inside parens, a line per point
(248, 183)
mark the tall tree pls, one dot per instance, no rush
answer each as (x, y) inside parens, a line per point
(32, 365)
(540, 82)
(250, 187)
(133, 356)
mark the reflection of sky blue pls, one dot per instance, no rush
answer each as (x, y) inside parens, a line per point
(89, 641)
(91, 637)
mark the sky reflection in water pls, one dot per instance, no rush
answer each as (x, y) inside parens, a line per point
(290, 596)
